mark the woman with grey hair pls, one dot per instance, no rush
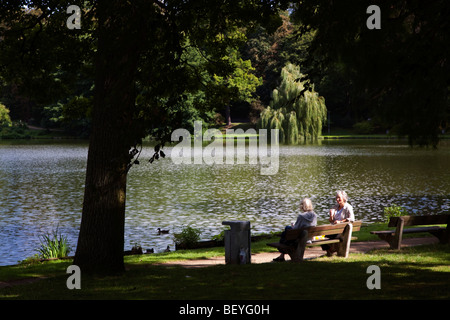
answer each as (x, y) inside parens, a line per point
(342, 211)
(307, 218)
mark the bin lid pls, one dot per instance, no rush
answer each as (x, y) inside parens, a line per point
(238, 225)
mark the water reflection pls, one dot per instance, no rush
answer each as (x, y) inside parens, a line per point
(41, 188)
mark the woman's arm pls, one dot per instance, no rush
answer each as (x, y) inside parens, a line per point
(349, 215)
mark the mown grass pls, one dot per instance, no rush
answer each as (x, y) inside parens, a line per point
(411, 273)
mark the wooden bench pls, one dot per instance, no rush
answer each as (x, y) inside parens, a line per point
(394, 237)
(300, 237)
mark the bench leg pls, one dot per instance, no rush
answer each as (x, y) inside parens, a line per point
(344, 245)
(397, 239)
(446, 236)
(389, 238)
(442, 235)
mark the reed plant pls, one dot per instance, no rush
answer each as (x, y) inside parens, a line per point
(53, 245)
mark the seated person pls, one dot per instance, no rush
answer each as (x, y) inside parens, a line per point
(341, 212)
(306, 219)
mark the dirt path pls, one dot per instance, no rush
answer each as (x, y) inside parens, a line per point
(314, 252)
(4, 284)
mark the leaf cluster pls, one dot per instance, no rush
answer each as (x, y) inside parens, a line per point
(394, 211)
(188, 237)
(399, 73)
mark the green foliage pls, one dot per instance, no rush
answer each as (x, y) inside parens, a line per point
(17, 130)
(188, 237)
(390, 72)
(394, 211)
(266, 50)
(73, 115)
(219, 237)
(296, 108)
(363, 127)
(5, 120)
(49, 61)
(53, 246)
(242, 82)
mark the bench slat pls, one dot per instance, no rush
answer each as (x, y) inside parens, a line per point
(321, 242)
(312, 244)
(420, 220)
(278, 245)
(410, 230)
(322, 230)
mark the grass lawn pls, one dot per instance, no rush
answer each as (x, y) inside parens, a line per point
(413, 273)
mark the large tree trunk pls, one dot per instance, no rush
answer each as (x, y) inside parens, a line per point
(101, 240)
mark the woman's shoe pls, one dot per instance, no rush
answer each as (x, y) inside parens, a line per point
(279, 259)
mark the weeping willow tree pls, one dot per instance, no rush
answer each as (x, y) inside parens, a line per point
(295, 109)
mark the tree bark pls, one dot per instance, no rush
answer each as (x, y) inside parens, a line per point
(101, 239)
(228, 115)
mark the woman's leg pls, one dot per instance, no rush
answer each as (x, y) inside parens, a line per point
(282, 240)
(327, 247)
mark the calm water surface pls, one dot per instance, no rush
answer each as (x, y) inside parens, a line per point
(42, 185)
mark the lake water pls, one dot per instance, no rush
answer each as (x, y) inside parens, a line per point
(42, 185)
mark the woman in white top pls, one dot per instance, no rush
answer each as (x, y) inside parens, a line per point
(342, 211)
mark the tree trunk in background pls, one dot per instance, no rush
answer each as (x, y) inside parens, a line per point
(227, 115)
(101, 240)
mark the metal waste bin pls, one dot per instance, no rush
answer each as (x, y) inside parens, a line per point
(237, 242)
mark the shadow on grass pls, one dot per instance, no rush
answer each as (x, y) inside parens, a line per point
(413, 273)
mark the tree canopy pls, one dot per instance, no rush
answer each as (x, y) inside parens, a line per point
(296, 109)
(395, 77)
(398, 73)
(134, 54)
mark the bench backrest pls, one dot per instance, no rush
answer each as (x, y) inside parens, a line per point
(420, 220)
(322, 230)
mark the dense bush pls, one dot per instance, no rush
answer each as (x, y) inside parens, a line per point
(394, 211)
(363, 127)
(17, 130)
(188, 237)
